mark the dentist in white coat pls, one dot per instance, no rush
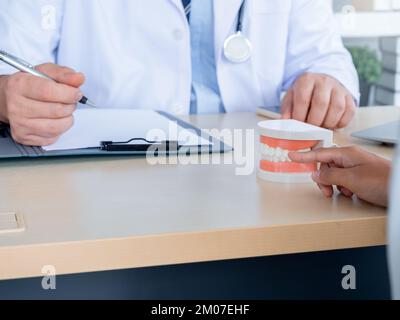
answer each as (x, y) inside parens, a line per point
(151, 55)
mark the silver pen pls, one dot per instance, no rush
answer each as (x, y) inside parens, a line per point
(24, 66)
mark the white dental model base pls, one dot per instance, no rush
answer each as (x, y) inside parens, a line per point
(278, 138)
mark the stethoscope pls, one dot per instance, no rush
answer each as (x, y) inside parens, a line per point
(237, 47)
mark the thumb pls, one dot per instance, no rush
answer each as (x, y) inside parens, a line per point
(286, 106)
(63, 75)
(332, 176)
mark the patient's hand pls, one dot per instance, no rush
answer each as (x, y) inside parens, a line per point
(353, 170)
(320, 100)
(39, 110)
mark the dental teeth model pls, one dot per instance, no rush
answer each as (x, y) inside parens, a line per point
(278, 138)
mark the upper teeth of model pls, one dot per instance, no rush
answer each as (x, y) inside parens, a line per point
(276, 154)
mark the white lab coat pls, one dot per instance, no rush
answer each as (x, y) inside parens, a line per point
(136, 53)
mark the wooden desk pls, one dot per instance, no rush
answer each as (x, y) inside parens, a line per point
(92, 214)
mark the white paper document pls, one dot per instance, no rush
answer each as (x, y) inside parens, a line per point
(92, 126)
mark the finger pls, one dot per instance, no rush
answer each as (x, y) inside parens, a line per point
(63, 75)
(346, 192)
(48, 91)
(22, 136)
(327, 190)
(45, 110)
(319, 104)
(50, 128)
(336, 110)
(324, 155)
(333, 177)
(37, 141)
(302, 94)
(287, 104)
(349, 113)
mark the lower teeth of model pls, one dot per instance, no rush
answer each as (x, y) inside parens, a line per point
(277, 154)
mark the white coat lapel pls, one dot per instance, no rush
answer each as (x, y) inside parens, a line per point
(178, 3)
(179, 6)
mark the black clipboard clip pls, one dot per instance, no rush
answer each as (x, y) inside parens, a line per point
(146, 145)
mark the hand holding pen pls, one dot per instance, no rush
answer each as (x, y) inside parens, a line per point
(38, 108)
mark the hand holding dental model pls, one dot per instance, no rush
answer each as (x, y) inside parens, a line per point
(278, 138)
(353, 170)
(291, 152)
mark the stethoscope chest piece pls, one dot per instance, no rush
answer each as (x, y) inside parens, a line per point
(237, 48)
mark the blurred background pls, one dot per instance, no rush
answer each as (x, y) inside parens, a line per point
(371, 31)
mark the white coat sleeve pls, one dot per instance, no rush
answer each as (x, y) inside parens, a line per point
(315, 45)
(30, 30)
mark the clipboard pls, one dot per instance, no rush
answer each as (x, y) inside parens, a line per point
(9, 149)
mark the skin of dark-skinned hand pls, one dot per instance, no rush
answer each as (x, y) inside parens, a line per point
(352, 170)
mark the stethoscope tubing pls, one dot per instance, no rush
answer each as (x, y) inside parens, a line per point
(237, 47)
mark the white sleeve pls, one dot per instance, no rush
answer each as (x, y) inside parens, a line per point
(315, 45)
(30, 30)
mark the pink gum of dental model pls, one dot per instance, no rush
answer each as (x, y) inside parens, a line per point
(278, 138)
